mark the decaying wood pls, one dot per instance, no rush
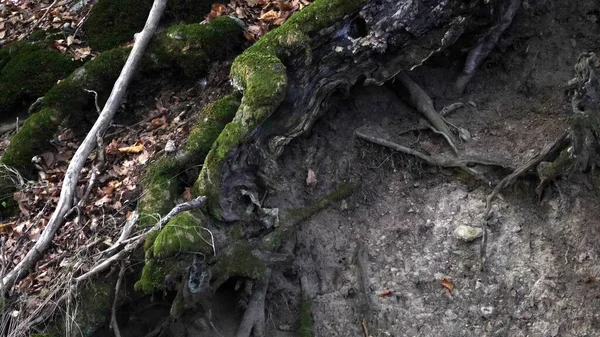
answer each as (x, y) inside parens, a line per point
(80, 157)
(395, 38)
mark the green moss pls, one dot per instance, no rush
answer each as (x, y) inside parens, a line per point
(210, 123)
(29, 75)
(114, 22)
(30, 139)
(160, 190)
(152, 279)
(182, 234)
(208, 182)
(192, 47)
(9, 51)
(239, 261)
(94, 306)
(306, 320)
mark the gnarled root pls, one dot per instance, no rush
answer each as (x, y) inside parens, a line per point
(254, 316)
(483, 49)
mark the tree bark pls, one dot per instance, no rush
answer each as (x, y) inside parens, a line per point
(368, 47)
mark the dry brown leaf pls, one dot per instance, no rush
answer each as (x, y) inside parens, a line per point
(135, 148)
(269, 16)
(386, 292)
(446, 283)
(311, 178)
(187, 194)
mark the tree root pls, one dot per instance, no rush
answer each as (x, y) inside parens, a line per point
(462, 162)
(510, 179)
(483, 49)
(253, 320)
(423, 103)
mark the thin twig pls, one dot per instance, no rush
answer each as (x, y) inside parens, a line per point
(86, 147)
(37, 23)
(113, 317)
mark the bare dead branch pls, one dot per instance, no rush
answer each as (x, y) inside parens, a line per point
(80, 157)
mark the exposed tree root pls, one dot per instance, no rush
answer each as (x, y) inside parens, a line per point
(253, 320)
(510, 179)
(462, 162)
(423, 103)
(113, 317)
(483, 49)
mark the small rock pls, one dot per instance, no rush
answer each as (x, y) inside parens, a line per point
(311, 178)
(487, 311)
(393, 269)
(170, 146)
(417, 184)
(344, 205)
(451, 315)
(467, 233)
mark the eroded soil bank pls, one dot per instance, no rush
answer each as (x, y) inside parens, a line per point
(540, 276)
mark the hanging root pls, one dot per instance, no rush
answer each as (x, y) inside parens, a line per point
(460, 162)
(253, 320)
(483, 49)
(423, 103)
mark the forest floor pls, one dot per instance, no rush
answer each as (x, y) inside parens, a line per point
(541, 273)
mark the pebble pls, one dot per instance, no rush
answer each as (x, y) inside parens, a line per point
(467, 233)
(170, 146)
(487, 311)
(451, 315)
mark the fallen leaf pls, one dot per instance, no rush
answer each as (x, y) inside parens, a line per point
(135, 148)
(311, 178)
(386, 292)
(187, 194)
(446, 283)
(269, 16)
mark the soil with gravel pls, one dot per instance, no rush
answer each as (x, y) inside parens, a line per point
(540, 276)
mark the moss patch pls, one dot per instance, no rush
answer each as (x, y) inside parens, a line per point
(239, 261)
(191, 47)
(30, 139)
(277, 238)
(182, 234)
(211, 122)
(95, 302)
(114, 22)
(160, 190)
(306, 320)
(29, 74)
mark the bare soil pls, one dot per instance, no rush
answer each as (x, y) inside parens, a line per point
(540, 277)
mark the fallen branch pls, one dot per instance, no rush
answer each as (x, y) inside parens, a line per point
(113, 317)
(42, 313)
(80, 157)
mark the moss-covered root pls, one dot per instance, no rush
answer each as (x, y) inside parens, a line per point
(161, 185)
(68, 100)
(114, 22)
(65, 99)
(274, 240)
(261, 75)
(237, 261)
(306, 320)
(32, 136)
(185, 233)
(191, 47)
